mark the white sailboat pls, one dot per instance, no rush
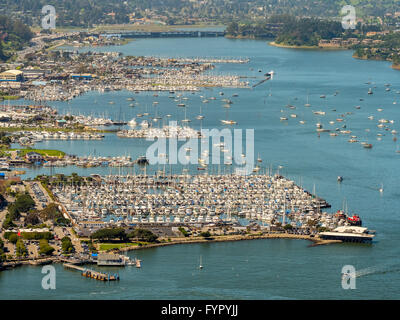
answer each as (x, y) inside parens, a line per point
(308, 103)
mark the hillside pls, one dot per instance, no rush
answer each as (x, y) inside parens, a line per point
(13, 36)
(86, 13)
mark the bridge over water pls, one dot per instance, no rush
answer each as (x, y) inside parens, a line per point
(166, 34)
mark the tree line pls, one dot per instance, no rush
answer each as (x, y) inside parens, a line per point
(13, 36)
(86, 13)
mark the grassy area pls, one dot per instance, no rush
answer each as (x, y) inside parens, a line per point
(9, 97)
(44, 152)
(111, 246)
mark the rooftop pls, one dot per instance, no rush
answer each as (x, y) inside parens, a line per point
(11, 72)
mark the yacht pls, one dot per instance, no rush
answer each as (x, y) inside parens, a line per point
(144, 124)
(228, 122)
(132, 123)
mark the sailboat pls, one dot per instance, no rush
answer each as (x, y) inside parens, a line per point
(381, 188)
(200, 116)
(308, 103)
(186, 120)
(200, 265)
(227, 116)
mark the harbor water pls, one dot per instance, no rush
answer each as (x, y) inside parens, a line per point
(258, 269)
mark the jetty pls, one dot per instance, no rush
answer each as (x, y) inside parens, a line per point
(92, 273)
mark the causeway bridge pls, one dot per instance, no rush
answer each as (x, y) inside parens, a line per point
(166, 34)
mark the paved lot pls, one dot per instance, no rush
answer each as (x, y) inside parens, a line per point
(38, 194)
(33, 250)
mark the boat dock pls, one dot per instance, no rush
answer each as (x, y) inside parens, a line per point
(92, 273)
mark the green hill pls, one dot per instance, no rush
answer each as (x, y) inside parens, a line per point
(13, 36)
(86, 13)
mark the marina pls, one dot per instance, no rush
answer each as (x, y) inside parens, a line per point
(292, 149)
(134, 74)
(199, 200)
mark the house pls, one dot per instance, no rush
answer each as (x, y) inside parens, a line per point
(34, 157)
(61, 123)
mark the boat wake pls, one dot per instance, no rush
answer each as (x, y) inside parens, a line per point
(378, 270)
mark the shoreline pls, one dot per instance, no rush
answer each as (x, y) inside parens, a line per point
(48, 260)
(274, 44)
(393, 66)
(315, 241)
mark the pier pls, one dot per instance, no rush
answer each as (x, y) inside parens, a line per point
(92, 273)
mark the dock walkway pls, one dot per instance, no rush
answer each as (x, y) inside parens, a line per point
(92, 273)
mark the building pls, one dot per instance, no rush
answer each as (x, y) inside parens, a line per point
(61, 123)
(82, 76)
(12, 75)
(107, 259)
(93, 224)
(34, 157)
(348, 234)
(34, 73)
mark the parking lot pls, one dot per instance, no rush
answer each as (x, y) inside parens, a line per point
(38, 194)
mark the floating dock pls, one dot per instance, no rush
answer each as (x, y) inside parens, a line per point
(92, 273)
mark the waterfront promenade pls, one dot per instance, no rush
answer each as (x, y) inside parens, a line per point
(316, 240)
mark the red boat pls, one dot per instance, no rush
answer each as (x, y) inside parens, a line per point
(355, 220)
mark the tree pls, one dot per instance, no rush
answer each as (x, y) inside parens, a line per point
(3, 57)
(232, 28)
(66, 245)
(143, 235)
(183, 231)
(2, 254)
(45, 248)
(24, 203)
(13, 212)
(13, 238)
(205, 234)
(109, 234)
(8, 224)
(32, 218)
(288, 227)
(20, 249)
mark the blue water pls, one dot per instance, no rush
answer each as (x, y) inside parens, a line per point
(265, 269)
